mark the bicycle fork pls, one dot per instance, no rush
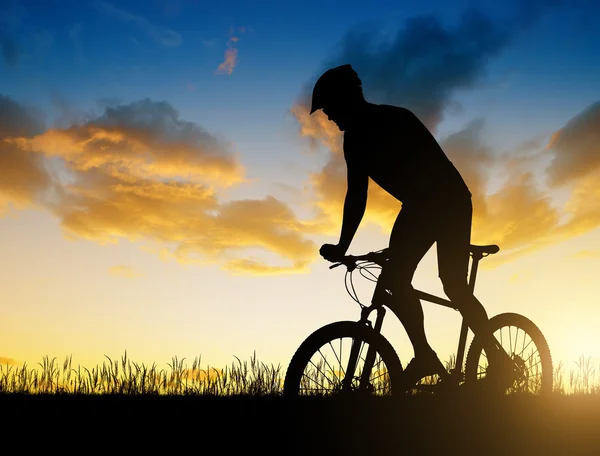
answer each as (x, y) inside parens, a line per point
(357, 348)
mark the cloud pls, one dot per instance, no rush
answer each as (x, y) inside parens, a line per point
(18, 120)
(582, 208)
(4, 361)
(23, 177)
(586, 254)
(123, 271)
(418, 67)
(161, 35)
(421, 66)
(266, 223)
(576, 148)
(231, 53)
(142, 139)
(467, 151)
(520, 276)
(139, 172)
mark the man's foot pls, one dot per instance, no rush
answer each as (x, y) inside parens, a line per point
(427, 363)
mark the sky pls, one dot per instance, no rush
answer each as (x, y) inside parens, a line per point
(163, 190)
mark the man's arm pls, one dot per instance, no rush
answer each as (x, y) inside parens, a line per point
(354, 204)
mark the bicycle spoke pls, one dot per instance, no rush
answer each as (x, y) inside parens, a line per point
(318, 368)
(525, 347)
(530, 356)
(533, 365)
(314, 380)
(324, 373)
(326, 362)
(338, 358)
(361, 349)
(341, 357)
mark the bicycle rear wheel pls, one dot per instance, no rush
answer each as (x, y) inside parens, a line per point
(321, 364)
(525, 344)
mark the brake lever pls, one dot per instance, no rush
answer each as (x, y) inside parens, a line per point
(351, 264)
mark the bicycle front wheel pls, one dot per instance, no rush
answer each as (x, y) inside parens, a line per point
(332, 360)
(525, 344)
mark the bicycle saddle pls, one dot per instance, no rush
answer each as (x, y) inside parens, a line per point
(484, 249)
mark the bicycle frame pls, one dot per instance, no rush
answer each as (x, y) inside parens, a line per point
(456, 372)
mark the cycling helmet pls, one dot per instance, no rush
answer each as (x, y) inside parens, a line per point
(335, 84)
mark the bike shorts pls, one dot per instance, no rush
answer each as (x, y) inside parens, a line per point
(417, 228)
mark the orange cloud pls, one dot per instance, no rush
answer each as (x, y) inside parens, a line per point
(266, 224)
(553, 139)
(123, 142)
(230, 61)
(231, 53)
(520, 215)
(582, 207)
(576, 148)
(22, 179)
(138, 172)
(123, 271)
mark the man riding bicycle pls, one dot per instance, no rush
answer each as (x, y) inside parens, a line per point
(390, 145)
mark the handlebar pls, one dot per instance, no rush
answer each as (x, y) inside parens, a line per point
(350, 260)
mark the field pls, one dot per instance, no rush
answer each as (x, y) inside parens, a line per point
(123, 406)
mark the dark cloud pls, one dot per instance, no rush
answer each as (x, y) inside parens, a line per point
(66, 111)
(18, 120)
(176, 144)
(420, 67)
(576, 147)
(467, 150)
(423, 63)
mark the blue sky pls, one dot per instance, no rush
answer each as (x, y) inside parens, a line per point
(512, 76)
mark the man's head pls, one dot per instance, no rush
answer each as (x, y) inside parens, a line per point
(338, 92)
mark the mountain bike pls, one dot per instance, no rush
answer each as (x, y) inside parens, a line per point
(354, 357)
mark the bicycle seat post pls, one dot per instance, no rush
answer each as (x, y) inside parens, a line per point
(464, 328)
(474, 265)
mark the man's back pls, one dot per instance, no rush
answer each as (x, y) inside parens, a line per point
(400, 154)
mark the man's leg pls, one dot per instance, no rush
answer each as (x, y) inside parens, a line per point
(411, 238)
(453, 248)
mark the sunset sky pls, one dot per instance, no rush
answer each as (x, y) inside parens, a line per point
(164, 191)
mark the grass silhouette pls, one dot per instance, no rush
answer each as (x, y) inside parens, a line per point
(252, 377)
(239, 406)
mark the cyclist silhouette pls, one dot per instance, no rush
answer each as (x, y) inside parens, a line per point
(390, 145)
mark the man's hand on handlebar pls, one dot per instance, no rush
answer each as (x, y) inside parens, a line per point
(337, 255)
(333, 253)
